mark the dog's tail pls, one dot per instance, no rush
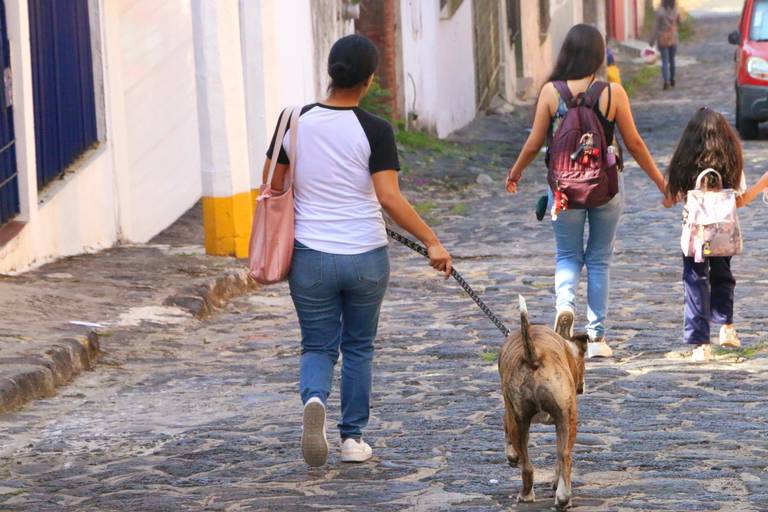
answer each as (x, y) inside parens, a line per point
(529, 351)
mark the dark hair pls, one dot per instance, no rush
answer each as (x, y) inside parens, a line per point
(582, 54)
(351, 61)
(668, 4)
(707, 141)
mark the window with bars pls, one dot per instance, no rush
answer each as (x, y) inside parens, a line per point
(9, 180)
(63, 87)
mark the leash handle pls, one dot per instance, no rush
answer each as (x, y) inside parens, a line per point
(459, 279)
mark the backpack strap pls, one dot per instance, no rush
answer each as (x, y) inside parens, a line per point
(564, 92)
(592, 96)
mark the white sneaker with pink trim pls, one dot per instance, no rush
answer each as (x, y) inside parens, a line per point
(728, 337)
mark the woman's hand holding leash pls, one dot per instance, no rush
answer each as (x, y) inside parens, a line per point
(439, 258)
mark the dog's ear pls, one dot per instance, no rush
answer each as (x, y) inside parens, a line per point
(580, 340)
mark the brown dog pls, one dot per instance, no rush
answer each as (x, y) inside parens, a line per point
(541, 374)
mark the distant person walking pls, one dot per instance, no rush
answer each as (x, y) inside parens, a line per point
(665, 35)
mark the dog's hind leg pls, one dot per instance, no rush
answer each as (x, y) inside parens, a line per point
(510, 435)
(566, 437)
(523, 425)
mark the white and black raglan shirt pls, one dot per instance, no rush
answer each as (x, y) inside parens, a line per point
(338, 149)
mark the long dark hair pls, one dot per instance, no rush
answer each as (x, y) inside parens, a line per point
(707, 141)
(668, 4)
(582, 54)
(351, 61)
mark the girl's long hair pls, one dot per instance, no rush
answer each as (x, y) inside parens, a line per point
(708, 141)
(582, 54)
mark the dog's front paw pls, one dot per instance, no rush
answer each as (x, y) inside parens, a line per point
(526, 498)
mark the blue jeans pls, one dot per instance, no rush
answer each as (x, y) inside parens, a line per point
(668, 63)
(337, 299)
(709, 288)
(571, 256)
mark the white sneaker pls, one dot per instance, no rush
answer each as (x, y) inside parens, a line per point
(728, 337)
(598, 348)
(701, 353)
(564, 322)
(355, 450)
(314, 445)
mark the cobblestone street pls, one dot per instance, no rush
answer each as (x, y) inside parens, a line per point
(205, 415)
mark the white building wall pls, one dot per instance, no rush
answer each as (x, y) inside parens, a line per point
(73, 215)
(161, 128)
(146, 171)
(564, 14)
(279, 68)
(438, 65)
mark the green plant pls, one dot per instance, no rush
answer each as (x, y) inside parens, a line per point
(415, 140)
(687, 28)
(424, 208)
(459, 209)
(641, 78)
(489, 357)
(377, 100)
(745, 352)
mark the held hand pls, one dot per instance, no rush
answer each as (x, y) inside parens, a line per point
(439, 258)
(668, 202)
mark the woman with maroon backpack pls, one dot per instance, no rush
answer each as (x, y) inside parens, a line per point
(576, 115)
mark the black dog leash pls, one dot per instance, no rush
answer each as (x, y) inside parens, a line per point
(459, 279)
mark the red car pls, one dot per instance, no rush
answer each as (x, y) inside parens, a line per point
(751, 68)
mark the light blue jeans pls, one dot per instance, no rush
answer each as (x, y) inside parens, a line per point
(337, 299)
(572, 255)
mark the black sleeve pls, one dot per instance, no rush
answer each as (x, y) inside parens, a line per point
(384, 151)
(282, 157)
(381, 138)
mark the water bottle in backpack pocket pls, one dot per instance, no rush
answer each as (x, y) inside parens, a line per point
(710, 221)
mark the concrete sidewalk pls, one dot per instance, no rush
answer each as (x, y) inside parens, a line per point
(55, 320)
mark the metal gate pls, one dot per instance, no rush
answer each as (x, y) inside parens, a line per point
(486, 17)
(9, 182)
(63, 90)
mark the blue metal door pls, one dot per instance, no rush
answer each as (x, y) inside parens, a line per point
(62, 74)
(9, 182)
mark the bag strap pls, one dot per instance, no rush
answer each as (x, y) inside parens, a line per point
(294, 127)
(564, 92)
(288, 114)
(593, 93)
(704, 173)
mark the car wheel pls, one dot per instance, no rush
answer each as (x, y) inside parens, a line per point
(748, 129)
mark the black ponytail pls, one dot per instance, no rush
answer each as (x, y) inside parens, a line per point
(352, 60)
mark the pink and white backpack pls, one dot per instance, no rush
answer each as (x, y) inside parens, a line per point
(710, 221)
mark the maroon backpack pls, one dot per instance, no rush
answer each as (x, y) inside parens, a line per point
(582, 169)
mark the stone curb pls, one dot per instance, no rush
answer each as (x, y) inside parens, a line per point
(37, 376)
(201, 301)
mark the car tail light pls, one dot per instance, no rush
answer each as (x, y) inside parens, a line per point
(757, 68)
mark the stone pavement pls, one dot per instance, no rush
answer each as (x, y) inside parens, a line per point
(206, 416)
(52, 318)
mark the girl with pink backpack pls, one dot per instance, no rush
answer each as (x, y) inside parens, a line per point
(706, 172)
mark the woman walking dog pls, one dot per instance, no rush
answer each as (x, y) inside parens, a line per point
(573, 82)
(345, 172)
